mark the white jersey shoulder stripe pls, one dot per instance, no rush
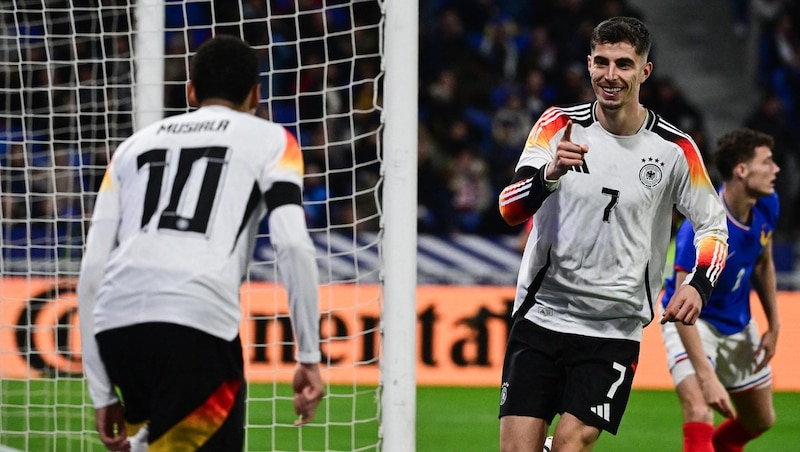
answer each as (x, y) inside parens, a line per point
(672, 129)
(580, 112)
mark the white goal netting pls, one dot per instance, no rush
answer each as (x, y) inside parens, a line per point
(76, 78)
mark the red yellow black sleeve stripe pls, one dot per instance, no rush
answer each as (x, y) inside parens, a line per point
(523, 197)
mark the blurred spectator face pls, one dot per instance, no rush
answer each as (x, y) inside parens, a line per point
(617, 73)
(451, 25)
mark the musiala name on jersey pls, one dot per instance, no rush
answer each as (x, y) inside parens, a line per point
(192, 127)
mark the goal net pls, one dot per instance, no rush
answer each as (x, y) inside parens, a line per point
(79, 76)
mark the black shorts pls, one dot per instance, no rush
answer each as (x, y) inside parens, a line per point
(547, 373)
(186, 384)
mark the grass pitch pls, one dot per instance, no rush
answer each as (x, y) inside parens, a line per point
(44, 415)
(465, 419)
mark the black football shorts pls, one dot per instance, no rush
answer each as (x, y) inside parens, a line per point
(547, 373)
(187, 385)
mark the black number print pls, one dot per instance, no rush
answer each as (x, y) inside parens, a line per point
(611, 204)
(202, 196)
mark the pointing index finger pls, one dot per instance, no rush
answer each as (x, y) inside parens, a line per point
(567, 132)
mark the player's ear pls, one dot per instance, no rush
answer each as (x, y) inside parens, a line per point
(740, 171)
(647, 70)
(254, 97)
(191, 95)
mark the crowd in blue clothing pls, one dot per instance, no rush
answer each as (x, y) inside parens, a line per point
(488, 69)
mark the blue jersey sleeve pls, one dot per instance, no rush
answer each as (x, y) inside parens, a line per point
(685, 258)
(685, 253)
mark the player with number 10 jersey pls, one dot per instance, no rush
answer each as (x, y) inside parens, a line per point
(198, 179)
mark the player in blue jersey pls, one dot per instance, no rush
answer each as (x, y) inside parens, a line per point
(723, 358)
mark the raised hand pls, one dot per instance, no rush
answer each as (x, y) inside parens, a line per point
(567, 154)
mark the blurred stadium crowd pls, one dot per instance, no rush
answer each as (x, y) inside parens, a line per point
(488, 69)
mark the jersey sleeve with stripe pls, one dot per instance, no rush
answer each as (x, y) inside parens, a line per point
(519, 200)
(594, 260)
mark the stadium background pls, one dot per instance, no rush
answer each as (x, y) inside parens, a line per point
(487, 70)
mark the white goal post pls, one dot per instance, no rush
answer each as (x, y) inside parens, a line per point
(79, 76)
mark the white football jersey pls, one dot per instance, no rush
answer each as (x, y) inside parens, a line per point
(601, 237)
(188, 194)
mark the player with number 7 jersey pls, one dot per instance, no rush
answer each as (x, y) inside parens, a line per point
(601, 237)
(602, 179)
(592, 267)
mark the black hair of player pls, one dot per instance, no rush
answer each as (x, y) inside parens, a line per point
(738, 146)
(623, 29)
(224, 67)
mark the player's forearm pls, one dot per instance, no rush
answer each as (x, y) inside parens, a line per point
(99, 244)
(765, 284)
(523, 197)
(300, 276)
(691, 340)
(711, 254)
(693, 345)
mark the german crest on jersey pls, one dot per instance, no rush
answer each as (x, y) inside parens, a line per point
(650, 173)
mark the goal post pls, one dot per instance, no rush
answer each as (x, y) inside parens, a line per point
(79, 77)
(400, 225)
(149, 62)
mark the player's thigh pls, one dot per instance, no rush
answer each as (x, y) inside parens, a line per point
(736, 362)
(693, 403)
(755, 409)
(522, 433)
(677, 359)
(572, 434)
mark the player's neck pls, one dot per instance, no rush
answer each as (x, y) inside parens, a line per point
(624, 121)
(216, 101)
(738, 203)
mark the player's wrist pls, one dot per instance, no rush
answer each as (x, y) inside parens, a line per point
(309, 358)
(551, 182)
(701, 284)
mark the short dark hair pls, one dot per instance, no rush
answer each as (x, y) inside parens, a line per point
(224, 67)
(623, 29)
(738, 146)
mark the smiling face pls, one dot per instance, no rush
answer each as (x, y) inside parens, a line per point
(759, 173)
(617, 73)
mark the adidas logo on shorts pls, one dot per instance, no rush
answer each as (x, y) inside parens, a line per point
(603, 410)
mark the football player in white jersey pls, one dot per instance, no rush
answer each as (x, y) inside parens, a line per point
(171, 238)
(602, 178)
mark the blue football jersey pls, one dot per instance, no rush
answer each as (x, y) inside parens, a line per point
(728, 308)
